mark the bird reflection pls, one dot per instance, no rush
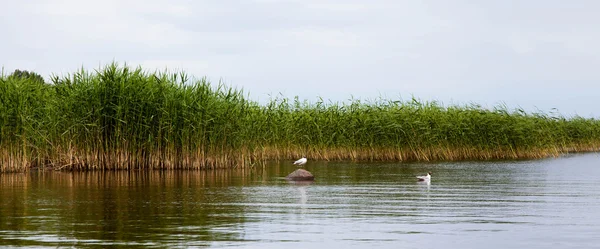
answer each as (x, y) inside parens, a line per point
(303, 197)
(301, 186)
(425, 186)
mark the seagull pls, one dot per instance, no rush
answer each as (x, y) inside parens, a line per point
(424, 178)
(300, 161)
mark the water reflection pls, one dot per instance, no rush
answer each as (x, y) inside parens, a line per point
(301, 187)
(425, 187)
(352, 205)
(111, 207)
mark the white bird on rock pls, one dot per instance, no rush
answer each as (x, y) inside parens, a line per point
(300, 161)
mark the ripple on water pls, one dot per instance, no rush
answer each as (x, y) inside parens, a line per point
(552, 203)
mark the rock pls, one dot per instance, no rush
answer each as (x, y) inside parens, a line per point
(300, 175)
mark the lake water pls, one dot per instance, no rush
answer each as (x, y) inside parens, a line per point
(549, 203)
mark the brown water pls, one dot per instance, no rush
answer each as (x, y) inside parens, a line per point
(551, 203)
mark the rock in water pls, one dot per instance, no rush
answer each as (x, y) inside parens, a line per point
(300, 175)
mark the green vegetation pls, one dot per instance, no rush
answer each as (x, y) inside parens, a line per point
(124, 118)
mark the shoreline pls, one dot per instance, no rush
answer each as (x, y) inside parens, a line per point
(355, 156)
(120, 117)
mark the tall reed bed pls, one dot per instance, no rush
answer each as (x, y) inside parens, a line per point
(123, 118)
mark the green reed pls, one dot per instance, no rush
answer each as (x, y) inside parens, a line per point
(119, 117)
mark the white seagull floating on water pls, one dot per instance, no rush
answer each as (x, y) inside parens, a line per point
(425, 178)
(300, 161)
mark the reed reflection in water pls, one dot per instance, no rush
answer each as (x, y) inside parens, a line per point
(550, 203)
(126, 208)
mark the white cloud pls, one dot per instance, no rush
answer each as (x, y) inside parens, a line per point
(525, 53)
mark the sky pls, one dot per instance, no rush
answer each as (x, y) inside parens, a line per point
(539, 55)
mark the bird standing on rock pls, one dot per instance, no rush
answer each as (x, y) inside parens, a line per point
(300, 174)
(300, 161)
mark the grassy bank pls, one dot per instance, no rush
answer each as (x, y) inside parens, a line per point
(124, 118)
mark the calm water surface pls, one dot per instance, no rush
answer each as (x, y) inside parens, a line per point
(550, 203)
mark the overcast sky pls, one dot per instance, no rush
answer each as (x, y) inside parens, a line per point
(537, 54)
